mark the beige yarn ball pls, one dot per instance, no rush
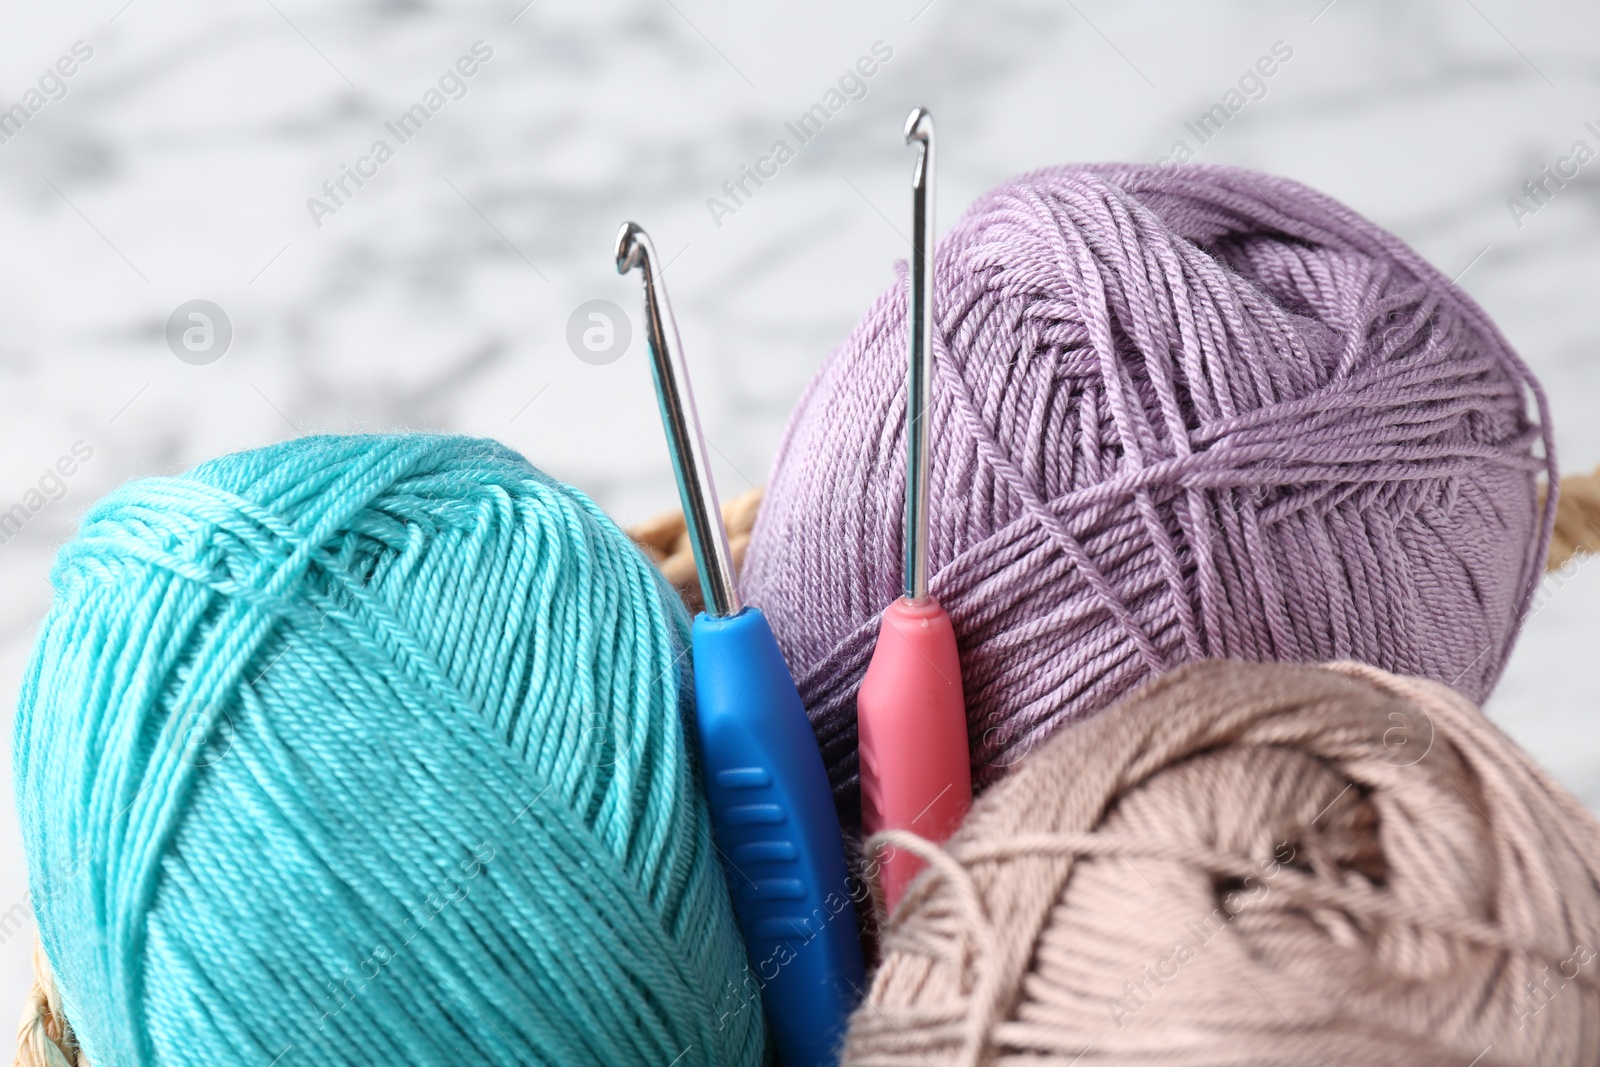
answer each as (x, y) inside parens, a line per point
(1254, 864)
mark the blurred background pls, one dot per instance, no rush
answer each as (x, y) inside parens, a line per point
(168, 151)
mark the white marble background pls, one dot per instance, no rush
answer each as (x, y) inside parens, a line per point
(178, 164)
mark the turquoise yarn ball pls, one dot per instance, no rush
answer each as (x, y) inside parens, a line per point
(371, 749)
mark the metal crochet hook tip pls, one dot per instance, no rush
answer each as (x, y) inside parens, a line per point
(919, 395)
(630, 249)
(701, 512)
(919, 126)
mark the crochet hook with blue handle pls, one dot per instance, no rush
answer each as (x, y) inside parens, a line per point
(771, 806)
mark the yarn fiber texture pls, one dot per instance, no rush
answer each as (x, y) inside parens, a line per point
(1179, 413)
(1261, 864)
(371, 749)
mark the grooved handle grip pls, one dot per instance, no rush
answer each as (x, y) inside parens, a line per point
(776, 827)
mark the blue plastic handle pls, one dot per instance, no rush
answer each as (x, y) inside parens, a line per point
(778, 832)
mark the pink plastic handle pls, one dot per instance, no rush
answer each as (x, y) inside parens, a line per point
(916, 771)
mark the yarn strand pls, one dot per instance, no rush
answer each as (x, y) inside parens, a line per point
(1245, 864)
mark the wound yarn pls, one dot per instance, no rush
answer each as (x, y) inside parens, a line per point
(1180, 413)
(1253, 864)
(371, 748)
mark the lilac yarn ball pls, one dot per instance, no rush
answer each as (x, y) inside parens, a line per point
(1180, 413)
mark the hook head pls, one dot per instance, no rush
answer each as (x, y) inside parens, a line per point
(919, 126)
(633, 247)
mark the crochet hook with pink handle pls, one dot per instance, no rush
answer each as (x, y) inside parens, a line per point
(916, 771)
